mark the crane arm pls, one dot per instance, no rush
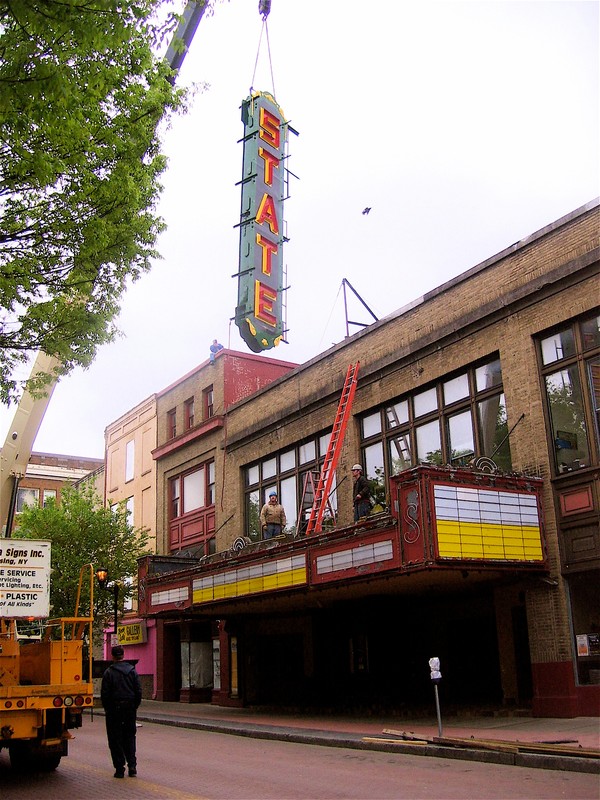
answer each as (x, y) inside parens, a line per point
(18, 444)
(182, 38)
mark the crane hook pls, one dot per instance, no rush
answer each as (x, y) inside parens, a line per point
(264, 6)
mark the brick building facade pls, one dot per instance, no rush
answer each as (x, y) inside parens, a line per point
(47, 474)
(495, 373)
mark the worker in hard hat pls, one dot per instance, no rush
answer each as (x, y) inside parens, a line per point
(272, 517)
(361, 493)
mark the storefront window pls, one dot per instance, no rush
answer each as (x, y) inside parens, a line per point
(583, 592)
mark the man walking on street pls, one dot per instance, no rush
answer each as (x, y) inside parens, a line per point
(121, 695)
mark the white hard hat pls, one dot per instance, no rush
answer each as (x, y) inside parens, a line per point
(357, 466)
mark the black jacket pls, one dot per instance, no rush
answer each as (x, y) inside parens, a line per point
(362, 488)
(120, 682)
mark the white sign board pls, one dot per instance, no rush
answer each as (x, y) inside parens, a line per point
(24, 578)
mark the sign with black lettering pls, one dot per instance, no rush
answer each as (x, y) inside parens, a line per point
(24, 578)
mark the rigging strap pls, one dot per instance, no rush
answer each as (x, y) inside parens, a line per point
(264, 7)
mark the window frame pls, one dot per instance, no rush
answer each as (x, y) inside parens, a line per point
(258, 482)
(577, 361)
(171, 423)
(177, 482)
(188, 413)
(208, 402)
(404, 436)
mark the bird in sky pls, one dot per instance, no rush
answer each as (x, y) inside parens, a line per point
(366, 210)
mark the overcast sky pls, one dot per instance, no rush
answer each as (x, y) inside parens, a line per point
(465, 126)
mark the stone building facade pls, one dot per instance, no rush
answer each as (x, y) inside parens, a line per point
(497, 373)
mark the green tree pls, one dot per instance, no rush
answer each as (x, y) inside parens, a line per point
(81, 95)
(83, 531)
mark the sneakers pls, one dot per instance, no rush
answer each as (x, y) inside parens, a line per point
(132, 773)
(120, 773)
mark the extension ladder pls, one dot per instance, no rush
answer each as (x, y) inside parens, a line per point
(323, 490)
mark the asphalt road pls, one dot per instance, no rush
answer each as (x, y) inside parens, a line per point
(181, 764)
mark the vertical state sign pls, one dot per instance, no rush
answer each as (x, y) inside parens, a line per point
(259, 313)
(24, 578)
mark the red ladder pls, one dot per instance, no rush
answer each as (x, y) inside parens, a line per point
(321, 499)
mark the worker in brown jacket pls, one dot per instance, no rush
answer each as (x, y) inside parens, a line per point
(272, 517)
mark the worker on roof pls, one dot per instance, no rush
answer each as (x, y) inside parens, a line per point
(272, 517)
(361, 493)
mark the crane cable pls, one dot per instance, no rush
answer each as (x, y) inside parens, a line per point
(264, 7)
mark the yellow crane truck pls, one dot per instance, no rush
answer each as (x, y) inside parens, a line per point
(45, 678)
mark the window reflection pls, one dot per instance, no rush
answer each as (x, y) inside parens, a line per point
(253, 516)
(460, 438)
(456, 389)
(590, 333)
(307, 452)
(425, 402)
(488, 375)
(563, 389)
(400, 453)
(429, 444)
(371, 425)
(494, 431)
(269, 468)
(593, 367)
(397, 414)
(558, 346)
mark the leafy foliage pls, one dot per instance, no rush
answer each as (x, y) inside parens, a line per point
(83, 531)
(81, 95)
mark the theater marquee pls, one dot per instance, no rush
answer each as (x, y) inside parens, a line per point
(259, 312)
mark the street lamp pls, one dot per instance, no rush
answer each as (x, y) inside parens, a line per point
(102, 576)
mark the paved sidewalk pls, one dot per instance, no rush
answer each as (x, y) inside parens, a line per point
(559, 739)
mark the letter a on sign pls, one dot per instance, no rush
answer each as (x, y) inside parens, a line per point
(259, 312)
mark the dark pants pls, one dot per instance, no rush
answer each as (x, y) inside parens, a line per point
(361, 510)
(120, 732)
(271, 529)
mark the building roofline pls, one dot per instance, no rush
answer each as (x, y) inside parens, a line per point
(65, 455)
(221, 354)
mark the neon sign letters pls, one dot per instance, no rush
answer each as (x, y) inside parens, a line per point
(259, 313)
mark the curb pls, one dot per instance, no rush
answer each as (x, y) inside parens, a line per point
(566, 763)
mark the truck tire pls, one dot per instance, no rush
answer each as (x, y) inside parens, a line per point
(21, 757)
(48, 763)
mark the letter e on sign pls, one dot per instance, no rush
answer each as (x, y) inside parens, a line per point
(264, 300)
